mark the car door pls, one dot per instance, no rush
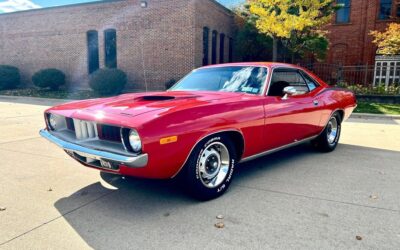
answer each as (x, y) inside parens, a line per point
(289, 119)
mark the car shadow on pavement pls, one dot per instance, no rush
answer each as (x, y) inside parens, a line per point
(126, 216)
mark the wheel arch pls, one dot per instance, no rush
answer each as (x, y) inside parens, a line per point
(341, 114)
(235, 135)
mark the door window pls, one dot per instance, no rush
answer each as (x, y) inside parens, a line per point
(282, 78)
(311, 84)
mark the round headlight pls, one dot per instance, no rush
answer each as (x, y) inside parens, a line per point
(52, 121)
(134, 141)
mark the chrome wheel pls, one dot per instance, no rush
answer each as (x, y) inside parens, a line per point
(332, 130)
(213, 164)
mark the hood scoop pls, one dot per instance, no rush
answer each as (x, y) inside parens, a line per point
(155, 98)
(163, 97)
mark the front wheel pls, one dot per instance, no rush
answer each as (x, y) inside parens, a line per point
(329, 138)
(209, 169)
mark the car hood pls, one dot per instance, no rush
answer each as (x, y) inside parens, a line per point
(139, 103)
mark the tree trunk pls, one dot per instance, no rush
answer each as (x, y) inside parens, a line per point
(274, 49)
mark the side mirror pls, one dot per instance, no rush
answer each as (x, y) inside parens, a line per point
(289, 91)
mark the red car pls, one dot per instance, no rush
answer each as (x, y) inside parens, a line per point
(212, 119)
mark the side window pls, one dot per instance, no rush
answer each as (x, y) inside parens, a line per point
(110, 48)
(309, 81)
(282, 78)
(93, 50)
(206, 32)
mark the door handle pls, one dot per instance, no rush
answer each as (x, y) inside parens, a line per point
(316, 102)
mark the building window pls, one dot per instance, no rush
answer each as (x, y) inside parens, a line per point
(93, 50)
(230, 50)
(343, 14)
(385, 9)
(206, 32)
(214, 47)
(221, 47)
(110, 48)
(398, 9)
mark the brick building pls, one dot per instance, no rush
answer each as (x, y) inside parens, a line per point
(153, 41)
(350, 42)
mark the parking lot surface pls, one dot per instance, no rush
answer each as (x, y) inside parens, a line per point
(294, 199)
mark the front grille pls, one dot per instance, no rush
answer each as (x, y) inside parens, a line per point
(110, 133)
(88, 130)
(85, 129)
(70, 123)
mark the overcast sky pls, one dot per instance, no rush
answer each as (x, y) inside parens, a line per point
(17, 5)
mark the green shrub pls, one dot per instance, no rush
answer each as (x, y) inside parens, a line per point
(9, 77)
(378, 89)
(168, 84)
(108, 81)
(49, 78)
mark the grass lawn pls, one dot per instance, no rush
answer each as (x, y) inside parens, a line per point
(378, 108)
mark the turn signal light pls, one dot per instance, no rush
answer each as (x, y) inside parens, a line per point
(167, 140)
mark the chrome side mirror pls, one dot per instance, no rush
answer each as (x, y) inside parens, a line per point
(289, 91)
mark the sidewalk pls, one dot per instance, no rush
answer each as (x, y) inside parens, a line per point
(374, 116)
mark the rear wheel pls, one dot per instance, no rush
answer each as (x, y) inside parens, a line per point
(329, 138)
(209, 169)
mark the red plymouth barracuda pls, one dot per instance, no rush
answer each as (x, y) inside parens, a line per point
(212, 119)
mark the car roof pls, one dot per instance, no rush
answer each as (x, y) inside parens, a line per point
(257, 64)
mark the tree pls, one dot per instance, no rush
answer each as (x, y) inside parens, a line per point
(298, 24)
(388, 41)
(250, 44)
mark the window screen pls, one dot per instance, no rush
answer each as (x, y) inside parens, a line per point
(214, 47)
(206, 32)
(110, 46)
(93, 50)
(385, 9)
(343, 14)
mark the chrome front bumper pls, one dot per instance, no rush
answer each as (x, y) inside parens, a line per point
(95, 154)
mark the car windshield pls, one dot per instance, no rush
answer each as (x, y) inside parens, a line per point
(230, 79)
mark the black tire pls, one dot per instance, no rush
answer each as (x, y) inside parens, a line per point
(191, 176)
(323, 143)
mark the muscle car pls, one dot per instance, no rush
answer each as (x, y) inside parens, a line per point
(198, 130)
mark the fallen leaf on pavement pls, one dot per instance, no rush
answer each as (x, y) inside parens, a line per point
(49, 189)
(220, 217)
(166, 214)
(358, 237)
(2, 208)
(219, 225)
(372, 196)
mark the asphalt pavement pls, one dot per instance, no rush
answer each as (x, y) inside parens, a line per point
(294, 199)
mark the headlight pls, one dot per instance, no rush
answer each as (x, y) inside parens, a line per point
(56, 122)
(52, 121)
(134, 141)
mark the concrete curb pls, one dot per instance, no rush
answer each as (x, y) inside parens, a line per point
(33, 99)
(374, 116)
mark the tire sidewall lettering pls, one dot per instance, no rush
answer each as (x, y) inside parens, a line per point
(201, 152)
(223, 185)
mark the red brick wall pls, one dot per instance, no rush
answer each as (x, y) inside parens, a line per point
(351, 44)
(214, 16)
(154, 44)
